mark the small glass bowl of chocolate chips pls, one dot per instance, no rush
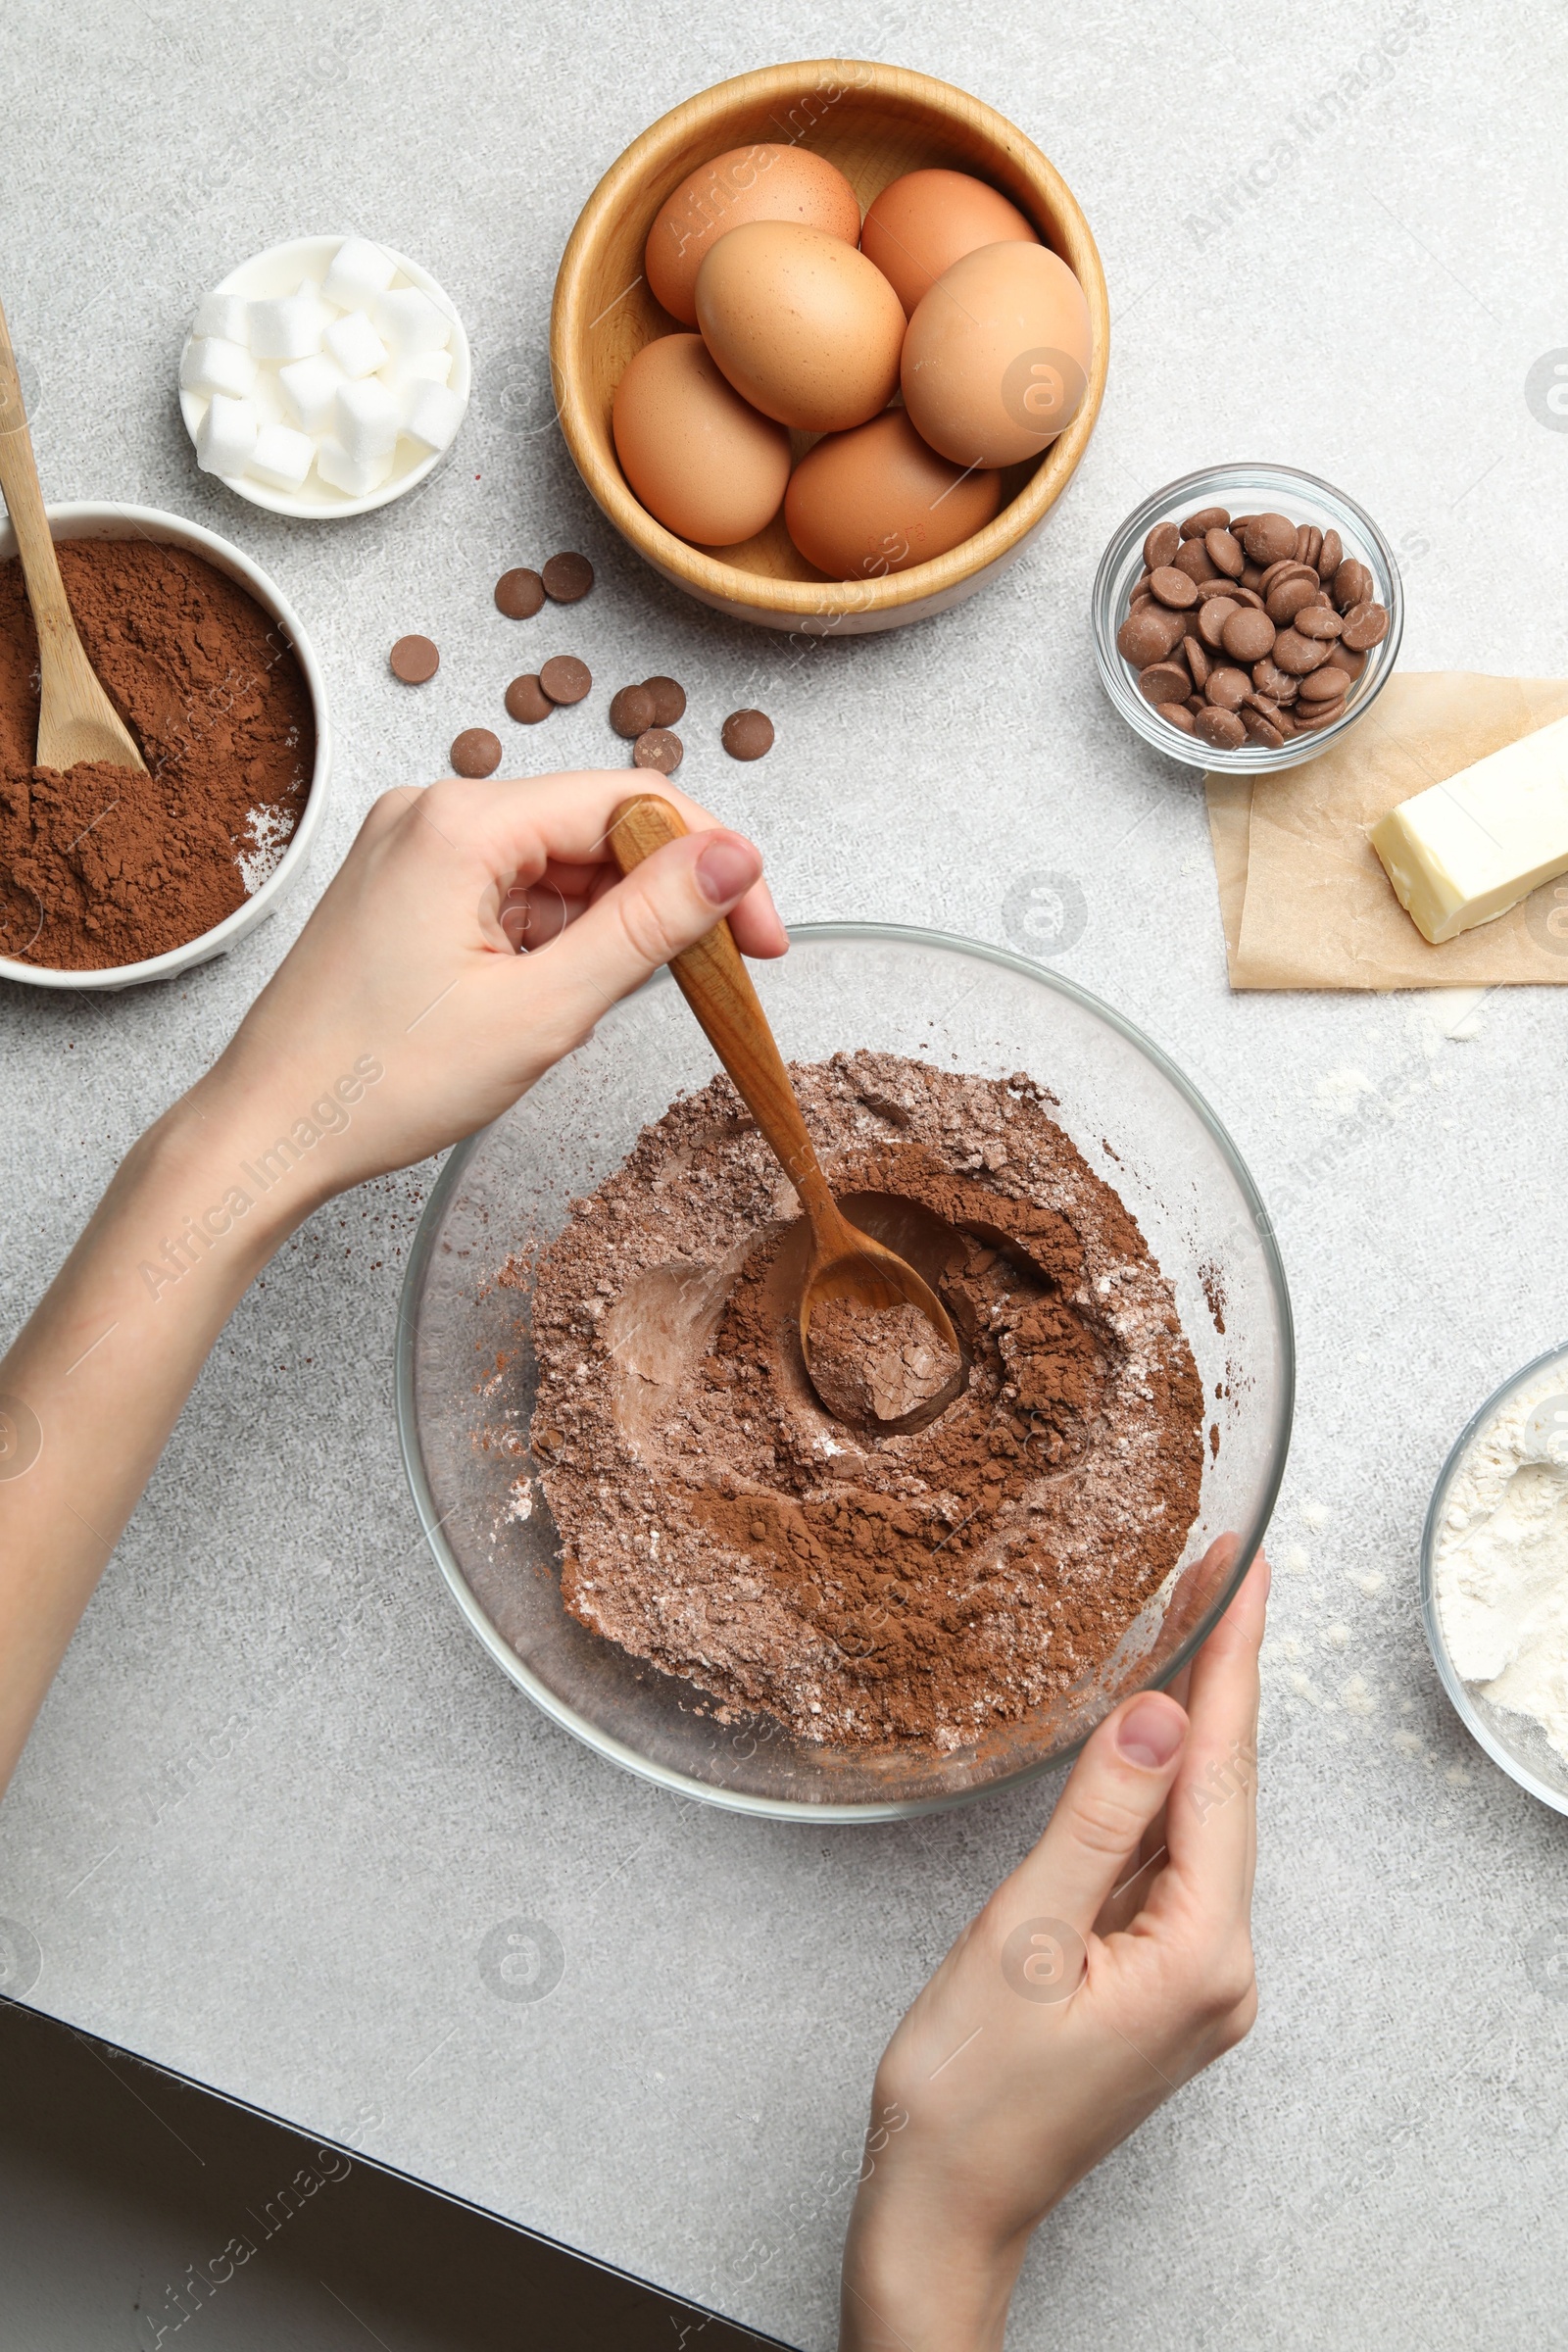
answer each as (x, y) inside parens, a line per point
(1245, 616)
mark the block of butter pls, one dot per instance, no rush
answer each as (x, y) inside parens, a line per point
(1466, 851)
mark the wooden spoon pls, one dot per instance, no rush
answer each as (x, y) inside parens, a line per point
(845, 1262)
(76, 720)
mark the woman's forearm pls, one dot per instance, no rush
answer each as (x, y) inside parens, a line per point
(96, 1379)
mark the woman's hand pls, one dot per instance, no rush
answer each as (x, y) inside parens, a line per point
(409, 969)
(1112, 1965)
(402, 1019)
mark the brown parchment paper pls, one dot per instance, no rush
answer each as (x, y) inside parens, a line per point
(1304, 900)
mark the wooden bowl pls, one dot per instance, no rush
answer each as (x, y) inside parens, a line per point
(875, 123)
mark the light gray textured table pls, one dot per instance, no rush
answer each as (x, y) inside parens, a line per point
(279, 1797)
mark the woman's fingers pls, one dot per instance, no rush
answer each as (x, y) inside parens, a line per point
(1113, 1793)
(527, 828)
(1212, 1817)
(664, 905)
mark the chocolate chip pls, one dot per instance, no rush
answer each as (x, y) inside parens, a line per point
(631, 711)
(1317, 621)
(1345, 656)
(1148, 634)
(413, 660)
(1227, 689)
(658, 748)
(1352, 584)
(527, 700)
(1330, 555)
(1161, 544)
(1288, 596)
(1192, 557)
(747, 734)
(1248, 635)
(1212, 618)
(1247, 596)
(1197, 661)
(476, 752)
(1178, 715)
(1269, 537)
(1217, 587)
(1252, 576)
(1319, 714)
(1322, 685)
(1163, 682)
(1222, 730)
(564, 678)
(1208, 518)
(1308, 544)
(1173, 588)
(520, 594)
(567, 577)
(1262, 731)
(1298, 654)
(1365, 625)
(1224, 552)
(670, 700)
(1276, 684)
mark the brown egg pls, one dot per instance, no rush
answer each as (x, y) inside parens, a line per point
(922, 224)
(750, 183)
(876, 500)
(803, 324)
(997, 359)
(703, 463)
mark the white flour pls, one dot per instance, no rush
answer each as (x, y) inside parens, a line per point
(1502, 1559)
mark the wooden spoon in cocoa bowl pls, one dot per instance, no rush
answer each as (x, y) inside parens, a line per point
(852, 1282)
(76, 720)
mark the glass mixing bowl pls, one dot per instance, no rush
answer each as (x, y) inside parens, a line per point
(1510, 1740)
(466, 1368)
(1242, 489)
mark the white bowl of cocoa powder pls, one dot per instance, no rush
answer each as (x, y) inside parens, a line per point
(108, 878)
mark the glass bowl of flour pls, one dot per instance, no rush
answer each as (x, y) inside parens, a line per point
(1495, 1577)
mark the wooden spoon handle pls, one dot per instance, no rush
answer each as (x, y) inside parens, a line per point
(714, 982)
(18, 482)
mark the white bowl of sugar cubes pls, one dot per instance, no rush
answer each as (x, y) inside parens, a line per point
(324, 377)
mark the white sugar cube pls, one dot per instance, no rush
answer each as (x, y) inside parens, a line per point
(310, 389)
(366, 418)
(266, 399)
(360, 272)
(357, 477)
(289, 328)
(433, 415)
(354, 344)
(411, 322)
(425, 367)
(213, 363)
(226, 438)
(226, 314)
(282, 457)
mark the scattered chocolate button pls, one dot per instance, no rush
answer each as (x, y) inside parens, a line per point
(520, 594)
(748, 734)
(566, 578)
(476, 752)
(658, 748)
(631, 713)
(564, 677)
(413, 660)
(670, 700)
(527, 702)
